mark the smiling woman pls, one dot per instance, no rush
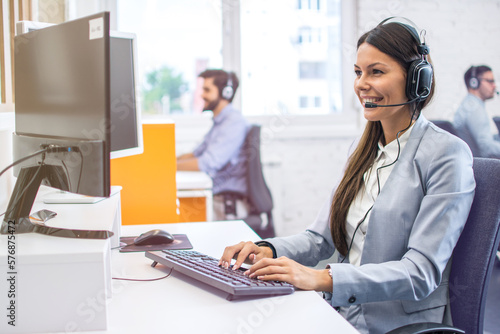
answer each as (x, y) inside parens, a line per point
(392, 218)
(380, 78)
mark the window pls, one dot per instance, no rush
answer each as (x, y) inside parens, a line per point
(290, 50)
(303, 101)
(317, 101)
(176, 40)
(282, 50)
(312, 70)
(309, 4)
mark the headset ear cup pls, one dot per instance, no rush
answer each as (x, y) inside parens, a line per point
(419, 80)
(227, 92)
(474, 83)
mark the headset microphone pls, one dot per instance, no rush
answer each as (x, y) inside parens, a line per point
(374, 105)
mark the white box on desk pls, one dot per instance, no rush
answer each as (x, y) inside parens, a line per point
(61, 284)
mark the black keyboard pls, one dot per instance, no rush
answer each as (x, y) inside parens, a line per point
(206, 269)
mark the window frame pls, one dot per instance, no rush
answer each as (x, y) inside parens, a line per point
(346, 123)
(350, 120)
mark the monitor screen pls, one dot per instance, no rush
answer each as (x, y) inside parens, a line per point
(126, 128)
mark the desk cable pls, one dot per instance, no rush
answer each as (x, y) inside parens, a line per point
(43, 151)
(143, 280)
(137, 279)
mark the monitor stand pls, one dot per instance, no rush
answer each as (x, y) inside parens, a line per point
(17, 215)
(64, 197)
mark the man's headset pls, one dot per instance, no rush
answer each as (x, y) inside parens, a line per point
(419, 78)
(474, 82)
(228, 91)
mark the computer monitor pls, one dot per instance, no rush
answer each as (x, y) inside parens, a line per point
(62, 111)
(126, 126)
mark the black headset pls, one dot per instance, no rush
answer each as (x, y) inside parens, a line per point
(419, 78)
(474, 82)
(228, 90)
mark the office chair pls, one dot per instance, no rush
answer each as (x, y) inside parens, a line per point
(473, 257)
(258, 194)
(445, 125)
(465, 135)
(497, 122)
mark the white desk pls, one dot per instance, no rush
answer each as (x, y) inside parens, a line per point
(64, 285)
(195, 184)
(179, 304)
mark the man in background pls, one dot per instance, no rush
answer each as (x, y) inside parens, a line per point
(471, 119)
(220, 155)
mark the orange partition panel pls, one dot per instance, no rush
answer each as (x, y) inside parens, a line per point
(148, 179)
(192, 209)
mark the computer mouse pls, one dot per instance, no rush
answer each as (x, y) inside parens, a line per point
(154, 237)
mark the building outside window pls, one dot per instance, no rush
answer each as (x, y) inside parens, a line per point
(176, 41)
(289, 49)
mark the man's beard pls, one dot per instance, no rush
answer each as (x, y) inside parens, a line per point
(211, 105)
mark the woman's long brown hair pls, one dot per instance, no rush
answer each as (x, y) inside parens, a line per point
(396, 41)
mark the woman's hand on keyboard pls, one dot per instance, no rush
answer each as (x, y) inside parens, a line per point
(284, 269)
(244, 252)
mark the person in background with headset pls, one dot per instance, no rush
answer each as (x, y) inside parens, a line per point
(471, 118)
(220, 154)
(399, 209)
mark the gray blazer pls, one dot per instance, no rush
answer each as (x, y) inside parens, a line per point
(414, 226)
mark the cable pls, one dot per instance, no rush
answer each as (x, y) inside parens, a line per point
(143, 280)
(354, 234)
(67, 173)
(378, 182)
(23, 159)
(81, 170)
(20, 195)
(42, 151)
(399, 150)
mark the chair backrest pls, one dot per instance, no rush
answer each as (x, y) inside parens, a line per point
(465, 135)
(445, 125)
(497, 122)
(259, 194)
(475, 252)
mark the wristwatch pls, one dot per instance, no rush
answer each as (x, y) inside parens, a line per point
(267, 244)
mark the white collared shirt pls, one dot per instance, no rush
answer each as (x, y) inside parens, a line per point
(369, 193)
